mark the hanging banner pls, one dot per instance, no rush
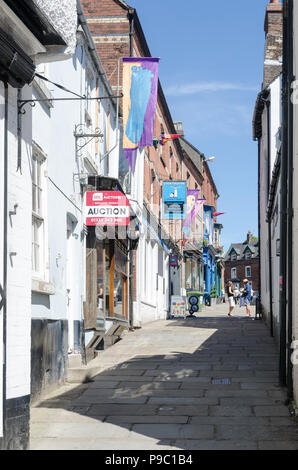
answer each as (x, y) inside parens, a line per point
(193, 205)
(174, 200)
(164, 138)
(140, 81)
(110, 208)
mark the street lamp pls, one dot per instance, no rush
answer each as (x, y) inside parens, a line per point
(211, 159)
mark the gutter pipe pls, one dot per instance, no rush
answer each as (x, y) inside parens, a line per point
(290, 202)
(283, 209)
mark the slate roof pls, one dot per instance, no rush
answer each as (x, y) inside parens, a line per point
(194, 154)
(241, 248)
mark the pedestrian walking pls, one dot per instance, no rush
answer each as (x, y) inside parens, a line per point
(230, 298)
(236, 295)
(246, 296)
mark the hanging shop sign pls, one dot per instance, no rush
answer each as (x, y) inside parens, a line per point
(110, 208)
(174, 260)
(174, 200)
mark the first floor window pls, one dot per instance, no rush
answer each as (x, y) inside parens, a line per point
(38, 262)
(248, 271)
(233, 273)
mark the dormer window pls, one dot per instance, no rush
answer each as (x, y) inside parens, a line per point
(248, 255)
(233, 257)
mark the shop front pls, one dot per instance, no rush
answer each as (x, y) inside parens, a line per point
(194, 272)
(106, 310)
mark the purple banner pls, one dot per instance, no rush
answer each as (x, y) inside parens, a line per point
(192, 209)
(140, 83)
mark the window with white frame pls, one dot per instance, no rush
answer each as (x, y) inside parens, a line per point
(248, 255)
(248, 271)
(233, 273)
(38, 221)
(233, 256)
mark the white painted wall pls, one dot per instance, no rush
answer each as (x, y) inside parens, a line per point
(1, 248)
(53, 131)
(19, 256)
(275, 123)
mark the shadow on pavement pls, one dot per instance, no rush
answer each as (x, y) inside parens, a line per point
(223, 395)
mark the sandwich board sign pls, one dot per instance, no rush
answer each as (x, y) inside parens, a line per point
(106, 208)
(178, 307)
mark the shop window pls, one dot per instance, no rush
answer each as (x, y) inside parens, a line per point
(188, 273)
(100, 284)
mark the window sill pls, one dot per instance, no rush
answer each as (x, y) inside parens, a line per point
(42, 287)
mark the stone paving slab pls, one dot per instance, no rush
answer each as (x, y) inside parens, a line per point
(117, 409)
(183, 401)
(194, 444)
(175, 431)
(271, 411)
(155, 419)
(258, 433)
(230, 420)
(280, 445)
(157, 385)
(230, 411)
(86, 430)
(250, 401)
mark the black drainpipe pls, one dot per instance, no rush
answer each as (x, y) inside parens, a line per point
(283, 209)
(259, 228)
(131, 16)
(131, 253)
(291, 78)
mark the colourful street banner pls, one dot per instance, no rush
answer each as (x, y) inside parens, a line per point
(167, 137)
(216, 214)
(193, 205)
(140, 81)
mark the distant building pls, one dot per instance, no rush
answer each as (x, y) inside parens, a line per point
(242, 262)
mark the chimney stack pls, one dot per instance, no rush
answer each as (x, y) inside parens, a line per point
(274, 41)
(179, 127)
(249, 238)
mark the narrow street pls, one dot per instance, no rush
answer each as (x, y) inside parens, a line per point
(156, 391)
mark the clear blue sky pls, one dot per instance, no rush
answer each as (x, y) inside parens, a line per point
(211, 70)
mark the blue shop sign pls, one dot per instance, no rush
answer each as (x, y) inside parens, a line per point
(174, 200)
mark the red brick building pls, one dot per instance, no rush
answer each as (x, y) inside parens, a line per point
(117, 32)
(242, 262)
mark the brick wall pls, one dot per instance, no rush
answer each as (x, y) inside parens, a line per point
(240, 266)
(274, 42)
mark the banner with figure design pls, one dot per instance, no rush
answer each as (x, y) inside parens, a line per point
(193, 205)
(140, 82)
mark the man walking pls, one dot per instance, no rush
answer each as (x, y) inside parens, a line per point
(247, 297)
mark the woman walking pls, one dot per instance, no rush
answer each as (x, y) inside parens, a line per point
(230, 298)
(247, 297)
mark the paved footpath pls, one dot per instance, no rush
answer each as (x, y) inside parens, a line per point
(156, 391)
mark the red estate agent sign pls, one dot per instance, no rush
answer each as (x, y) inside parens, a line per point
(109, 208)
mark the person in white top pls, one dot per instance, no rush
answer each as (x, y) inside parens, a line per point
(230, 298)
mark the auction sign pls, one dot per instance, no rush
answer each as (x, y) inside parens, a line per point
(110, 208)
